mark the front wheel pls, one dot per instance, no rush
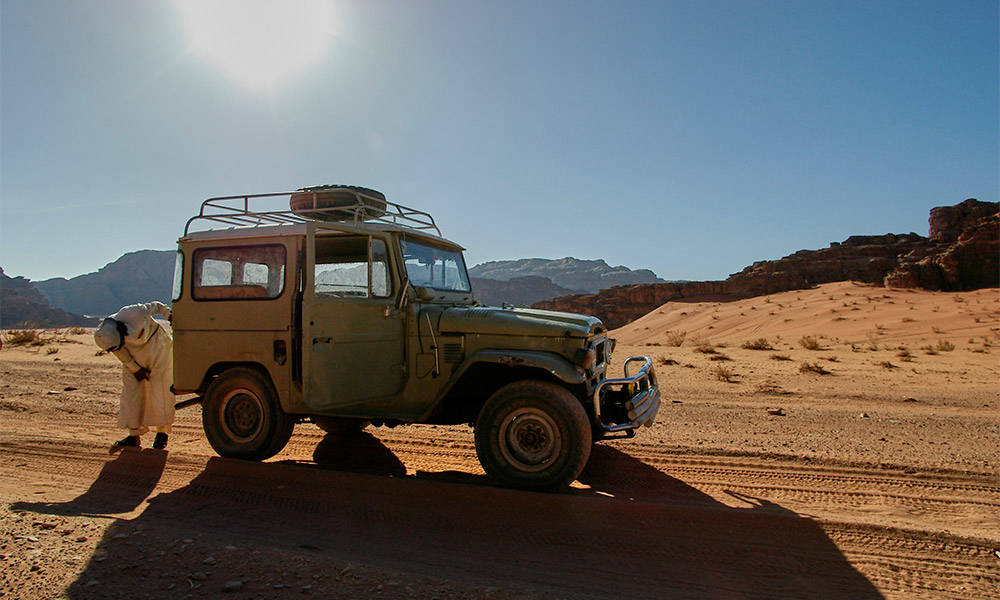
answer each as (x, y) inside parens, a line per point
(533, 435)
(242, 417)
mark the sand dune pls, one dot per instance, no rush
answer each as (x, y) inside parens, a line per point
(844, 312)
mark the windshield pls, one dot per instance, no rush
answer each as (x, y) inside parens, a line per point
(431, 267)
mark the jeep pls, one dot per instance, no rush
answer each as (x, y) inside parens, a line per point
(344, 309)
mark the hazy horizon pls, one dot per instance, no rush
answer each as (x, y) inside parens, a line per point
(690, 139)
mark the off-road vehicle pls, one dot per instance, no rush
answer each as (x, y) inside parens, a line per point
(344, 309)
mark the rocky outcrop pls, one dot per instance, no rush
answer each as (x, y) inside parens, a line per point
(518, 291)
(21, 305)
(135, 277)
(960, 254)
(572, 273)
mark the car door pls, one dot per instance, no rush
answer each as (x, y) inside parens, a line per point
(353, 336)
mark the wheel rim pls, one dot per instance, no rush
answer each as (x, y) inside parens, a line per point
(242, 415)
(530, 440)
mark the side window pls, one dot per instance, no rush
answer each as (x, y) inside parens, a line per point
(178, 277)
(238, 273)
(351, 267)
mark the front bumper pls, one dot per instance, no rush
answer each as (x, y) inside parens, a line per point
(627, 403)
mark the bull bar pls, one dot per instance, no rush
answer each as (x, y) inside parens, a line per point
(644, 403)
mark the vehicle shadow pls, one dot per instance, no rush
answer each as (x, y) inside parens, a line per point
(359, 452)
(637, 533)
(121, 486)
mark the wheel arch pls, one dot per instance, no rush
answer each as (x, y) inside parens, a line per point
(486, 371)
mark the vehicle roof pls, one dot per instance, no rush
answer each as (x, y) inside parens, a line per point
(323, 228)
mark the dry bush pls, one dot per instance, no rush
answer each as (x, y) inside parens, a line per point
(676, 338)
(809, 343)
(831, 358)
(51, 350)
(704, 347)
(937, 330)
(719, 357)
(944, 346)
(929, 350)
(757, 344)
(904, 354)
(780, 357)
(665, 361)
(23, 337)
(908, 320)
(817, 368)
(887, 365)
(723, 373)
(76, 331)
(771, 388)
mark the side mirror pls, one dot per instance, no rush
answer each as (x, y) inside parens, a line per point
(423, 293)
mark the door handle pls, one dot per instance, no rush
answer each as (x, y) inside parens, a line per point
(322, 340)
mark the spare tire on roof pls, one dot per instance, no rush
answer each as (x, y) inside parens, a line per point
(322, 201)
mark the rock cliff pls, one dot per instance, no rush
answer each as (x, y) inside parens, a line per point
(519, 291)
(961, 253)
(135, 277)
(21, 305)
(572, 273)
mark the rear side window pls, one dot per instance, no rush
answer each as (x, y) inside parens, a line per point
(238, 273)
(178, 277)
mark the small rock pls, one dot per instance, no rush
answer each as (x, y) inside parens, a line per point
(198, 576)
(100, 558)
(230, 547)
(70, 388)
(92, 583)
(52, 392)
(209, 561)
(187, 541)
(34, 568)
(119, 536)
(232, 586)
(278, 586)
(677, 401)
(864, 415)
(910, 400)
(81, 538)
(778, 412)
(43, 525)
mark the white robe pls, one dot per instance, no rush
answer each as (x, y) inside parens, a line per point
(149, 344)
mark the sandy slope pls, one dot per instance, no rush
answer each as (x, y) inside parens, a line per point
(875, 482)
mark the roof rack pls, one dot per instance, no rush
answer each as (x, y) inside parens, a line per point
(236, 211)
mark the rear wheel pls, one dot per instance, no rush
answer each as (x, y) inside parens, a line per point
(533, 435)
(242, 417)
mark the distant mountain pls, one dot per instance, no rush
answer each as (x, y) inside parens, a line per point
(519, 291)
(573, 273)
(135, 277)
(21, 305)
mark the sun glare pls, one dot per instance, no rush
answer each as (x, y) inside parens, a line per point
(259, 43)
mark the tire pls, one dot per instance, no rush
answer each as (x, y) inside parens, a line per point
(242, 417)
(533, 435)
(339, 425)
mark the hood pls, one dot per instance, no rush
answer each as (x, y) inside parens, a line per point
(518, 321)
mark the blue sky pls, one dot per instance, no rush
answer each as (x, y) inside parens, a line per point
(692, 138)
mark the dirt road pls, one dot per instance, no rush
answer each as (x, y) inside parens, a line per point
(861, 491)
(408, 513)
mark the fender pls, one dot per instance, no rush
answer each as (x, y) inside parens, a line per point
(554, 364)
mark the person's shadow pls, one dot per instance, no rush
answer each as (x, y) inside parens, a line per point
(635, 533)
(120, 487)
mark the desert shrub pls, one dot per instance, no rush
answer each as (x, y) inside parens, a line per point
(663, 360)
(757, 344)
(887, 365)
(817, 368)
(704, 347)
(831, 358)
(51, 350)
(944, 346)
(723, 373)
(908, 320)
(23, 337)
(809, 343)
(780, 357)
(904, 354)
(719, 357)
(937, 330)
(76, 331)
(676, 338)
(929, 350)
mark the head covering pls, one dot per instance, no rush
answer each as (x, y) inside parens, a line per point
(107, 336)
